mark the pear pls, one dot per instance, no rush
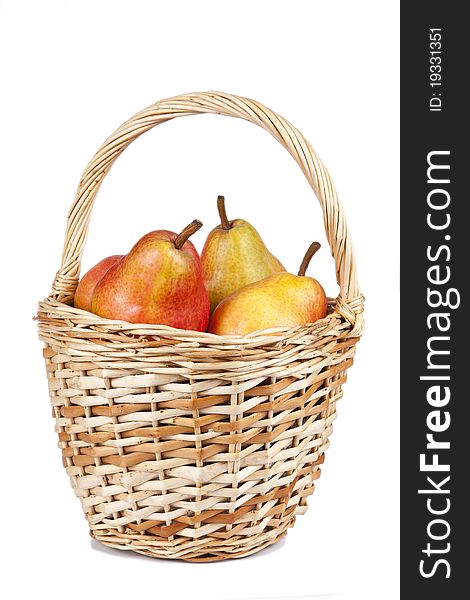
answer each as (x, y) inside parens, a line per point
(282, 299)
(233, 256)
(89, 281)
(159, 281)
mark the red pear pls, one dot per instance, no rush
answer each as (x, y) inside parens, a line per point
(159, 281)
(90, 280)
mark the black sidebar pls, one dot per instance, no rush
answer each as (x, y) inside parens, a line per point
(435, 325)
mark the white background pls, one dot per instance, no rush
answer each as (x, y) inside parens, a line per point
(72, 71)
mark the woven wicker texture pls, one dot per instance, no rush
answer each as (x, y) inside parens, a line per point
(189, 445)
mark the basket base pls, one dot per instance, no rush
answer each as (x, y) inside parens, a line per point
(205, 550)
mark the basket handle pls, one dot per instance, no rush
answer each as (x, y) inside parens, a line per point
(350, 300)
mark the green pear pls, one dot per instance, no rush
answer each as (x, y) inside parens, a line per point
(233, 256)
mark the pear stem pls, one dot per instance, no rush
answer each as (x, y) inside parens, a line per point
(223, 215)
(312, 249)
(182, 237)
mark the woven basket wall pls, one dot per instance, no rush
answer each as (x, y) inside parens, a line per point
(190, 445)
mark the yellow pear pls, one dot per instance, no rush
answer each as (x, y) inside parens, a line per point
(279, 300)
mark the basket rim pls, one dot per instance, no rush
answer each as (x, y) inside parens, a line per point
(90, 321)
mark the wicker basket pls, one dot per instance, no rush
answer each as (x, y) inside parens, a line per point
(189, 445)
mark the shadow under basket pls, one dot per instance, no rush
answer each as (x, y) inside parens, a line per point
(190, 445)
